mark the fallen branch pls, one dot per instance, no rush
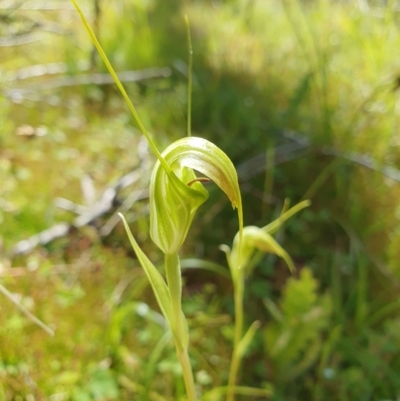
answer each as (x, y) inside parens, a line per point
(85, 79)
(300, 146)
(108, 201)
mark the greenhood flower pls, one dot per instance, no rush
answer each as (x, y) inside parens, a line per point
(255, 239)
(175, 195)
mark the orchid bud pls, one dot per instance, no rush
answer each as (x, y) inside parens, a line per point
(255, 238)
(175, 195)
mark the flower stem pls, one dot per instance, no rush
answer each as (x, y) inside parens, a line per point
(179, 327)
(234, 368)
(174, 280)
(184, 360)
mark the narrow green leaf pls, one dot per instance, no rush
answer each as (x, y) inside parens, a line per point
(273, 309)
(246, 339)
(151, 364)
(119, 84)
(194, 263)
(272, 227)
(157, 282)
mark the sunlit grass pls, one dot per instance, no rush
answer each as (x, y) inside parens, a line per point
(348, 53)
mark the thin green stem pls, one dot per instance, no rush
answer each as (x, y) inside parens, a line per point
(239, 290)
(190, 78)
(238, 333)
(121, 87)
(179, 327)
(174, 280)
(188, 378)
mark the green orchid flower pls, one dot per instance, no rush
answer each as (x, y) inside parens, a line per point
(255, 239)
(175, 195)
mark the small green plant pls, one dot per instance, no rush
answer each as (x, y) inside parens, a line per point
(254, 240)
(175, 194)
(293, 340)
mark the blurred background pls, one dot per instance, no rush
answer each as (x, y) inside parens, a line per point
(303, 95)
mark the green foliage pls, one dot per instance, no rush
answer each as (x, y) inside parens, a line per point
(294, 339)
